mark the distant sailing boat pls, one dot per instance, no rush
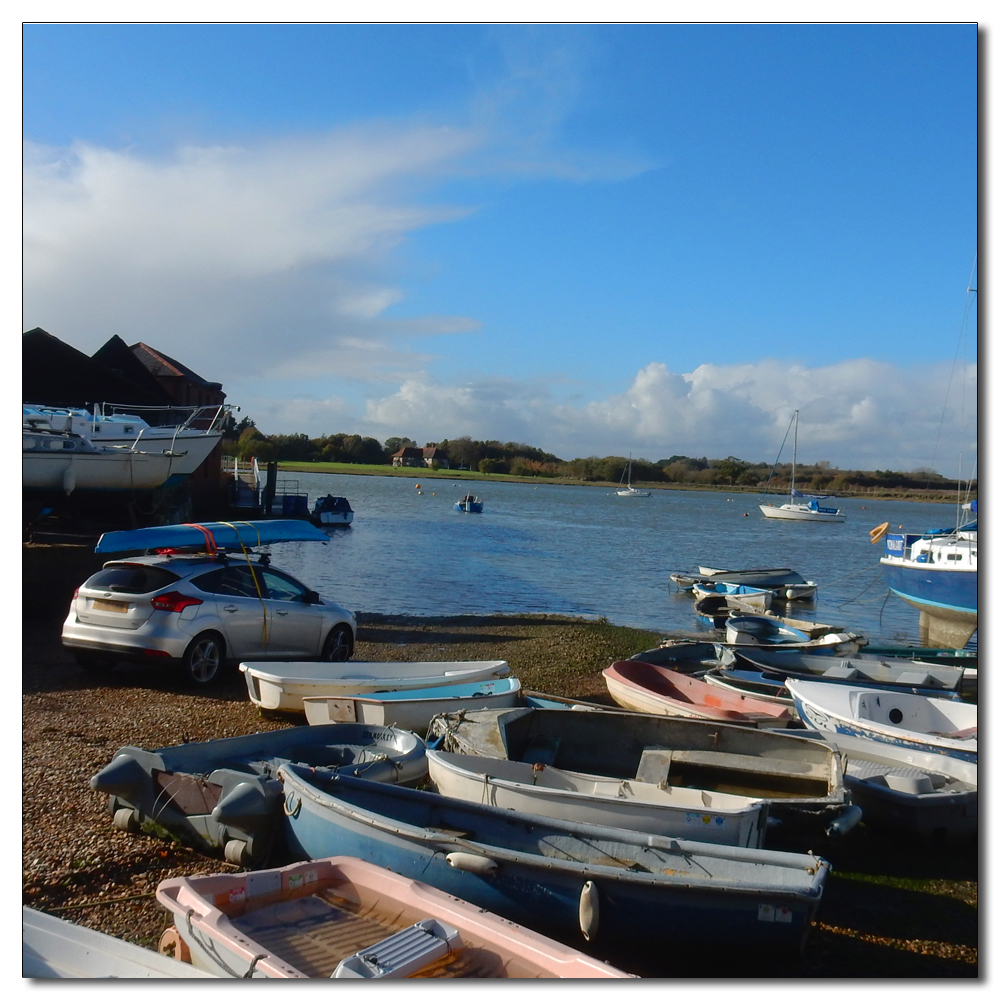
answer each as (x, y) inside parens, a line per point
(804, 510)
(629, 491)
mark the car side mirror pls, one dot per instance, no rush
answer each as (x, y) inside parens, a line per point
(311, 597)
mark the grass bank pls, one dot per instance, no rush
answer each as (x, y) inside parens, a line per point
(482, 479)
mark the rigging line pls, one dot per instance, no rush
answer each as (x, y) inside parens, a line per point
(854, 600)
(960, 344)
(773, 467)
(888, 594)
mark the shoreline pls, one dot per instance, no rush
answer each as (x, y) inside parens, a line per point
(890, 909)
(467, 476)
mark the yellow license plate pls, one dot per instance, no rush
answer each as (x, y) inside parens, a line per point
(120, 606)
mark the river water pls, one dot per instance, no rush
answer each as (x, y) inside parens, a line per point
(584, 551)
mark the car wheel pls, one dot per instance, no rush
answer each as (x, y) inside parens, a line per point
(203, 659)
(339, 644)
(93, 663)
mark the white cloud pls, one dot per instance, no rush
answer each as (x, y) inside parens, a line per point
(855, 414)
(233, 257)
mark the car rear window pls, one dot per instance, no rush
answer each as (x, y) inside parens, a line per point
(131, 579)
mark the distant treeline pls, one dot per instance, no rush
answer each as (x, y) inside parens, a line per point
(512, 458)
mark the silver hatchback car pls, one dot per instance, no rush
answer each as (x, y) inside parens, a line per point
(199, 611)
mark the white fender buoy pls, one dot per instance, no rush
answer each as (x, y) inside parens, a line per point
(474, 863)
(590, 910)
(69, 479)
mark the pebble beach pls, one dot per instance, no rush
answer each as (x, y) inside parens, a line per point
(890, 910)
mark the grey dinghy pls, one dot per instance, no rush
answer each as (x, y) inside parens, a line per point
(942, 680)
(928, 796)
(801, 780)
(573, 881)
(225, 794)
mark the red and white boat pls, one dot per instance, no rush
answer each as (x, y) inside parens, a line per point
(646, 687)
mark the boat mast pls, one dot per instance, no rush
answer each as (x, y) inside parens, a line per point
(795, 452)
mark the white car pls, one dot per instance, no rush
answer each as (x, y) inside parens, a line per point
(200, 611)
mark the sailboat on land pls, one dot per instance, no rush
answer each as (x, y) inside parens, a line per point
(799, 508)
(629, 491)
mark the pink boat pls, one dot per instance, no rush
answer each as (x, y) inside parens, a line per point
(645, 687)
(343, 918)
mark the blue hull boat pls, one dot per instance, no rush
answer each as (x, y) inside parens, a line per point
(937, 572)
(469, 504)
(225, 794)
(574, 881)
(211, 534)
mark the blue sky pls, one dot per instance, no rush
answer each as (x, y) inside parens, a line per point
(596, 239)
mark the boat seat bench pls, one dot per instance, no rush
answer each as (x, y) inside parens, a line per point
(655, 766)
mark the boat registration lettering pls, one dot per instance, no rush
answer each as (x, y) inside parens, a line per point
(770, 914)
(119, 606)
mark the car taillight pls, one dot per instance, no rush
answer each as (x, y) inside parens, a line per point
(173, 601)
(76, 593)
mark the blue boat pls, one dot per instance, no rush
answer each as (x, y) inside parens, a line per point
(938, 573)
(469, 504)
(593, 885)
(210, 535)
(225, 794)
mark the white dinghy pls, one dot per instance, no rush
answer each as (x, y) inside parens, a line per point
(629, 804)
(282, 687)
(897, 718)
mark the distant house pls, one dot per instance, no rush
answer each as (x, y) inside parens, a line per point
(431, 458)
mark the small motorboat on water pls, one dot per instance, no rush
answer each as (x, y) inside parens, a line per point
(756, 600)
(783, 583)
(470, 504)
(331, 511)
(645, 687)
(771, 631)
(344, 918)
(715, 609)
(224, 795)
(898, 718)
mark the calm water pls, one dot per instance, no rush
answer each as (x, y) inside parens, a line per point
(582, 550)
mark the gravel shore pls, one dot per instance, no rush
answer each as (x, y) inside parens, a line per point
(890, 910)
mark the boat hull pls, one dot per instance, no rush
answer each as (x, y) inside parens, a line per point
(802, 782)
(646, 687)
(715, 818)
(52, 948)
(100, 470)
(223, 795)
(544, 874)
(413, 710)
(909, 722)
(301, 921)
(282, 687)
(799, 512)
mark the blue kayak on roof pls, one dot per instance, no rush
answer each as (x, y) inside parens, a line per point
(211, 534)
